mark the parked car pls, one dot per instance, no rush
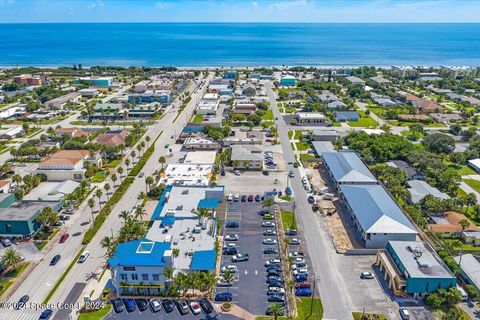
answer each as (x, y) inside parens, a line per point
(268, 216)
(230, 197)
(276, 290)
(84, 257)
(294, 241)
(265, 172)
(269, 232)
(155, 305)
(236, 198)
(296, 266)
(269, 241)
(6, 242)
(236, 172)
(404, 314)
(142, 304)
(229, 251)
(263, 212)
(295, 164)
(295, 254)
(239, 257)
(64, 217)
(270, 250)
(267, 224)
(168, 305)
(274, 278)
(303, 284)
(129, 305)
(223, 283)
(63, 238)
(290, 174)
(275, 283)
(46, 314)
(291, 232)
(300, 271)
(232, 224)
(55, 259)
(298, 260)
(276, 298)
(315, 207)
(231, 237)
(223, 296)
(206, 305)
(230, 267)
(105, 294)
(273, 262)
(366, 275)
(243, 198)
(301, 277)
(303, 292)
(182, 306)
(141, 175)
(117, 305)
(276, 273)
(195, 307)
(258, 198)
(250, 198)
(274, 267)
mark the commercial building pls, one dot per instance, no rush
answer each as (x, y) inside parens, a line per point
(67, 165)
(207, 107)
(150, 96)
(200, 144)
(376, 216)
(310, 118)
(28, 80)
(412, 268)
(88, 92)
(51, 191)
(187, 174)
(231, 74)
(146, 85)
(19, 218)
(288, 81)
(245, 108)
(5, 186)
(347, 168)
(61, 102)
(95, 81)
(247, 157)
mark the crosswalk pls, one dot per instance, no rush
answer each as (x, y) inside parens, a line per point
(25, 314)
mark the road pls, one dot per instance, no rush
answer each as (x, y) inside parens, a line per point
(332, 289)
(39, 283)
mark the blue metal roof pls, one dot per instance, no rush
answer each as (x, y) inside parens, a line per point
(141, 252)
(167, 221)
(347, 167)
(204, 260)
(208, 203)
(375, 210)
(161, 203)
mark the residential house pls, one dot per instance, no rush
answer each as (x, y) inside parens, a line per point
(413, 268)
(61, 102)
(380, 80)
(337, 104)
(445, 117)
(113, 138)
(72, 132)
(324, 135)
(462, 98)
(419, 189)
(355, 80)
(448, 224)
(5, 186)
(475, 164)
(414, 117)
(412, 173)
(344, 116)
(470, 269)
(327, 96)
(424, 105)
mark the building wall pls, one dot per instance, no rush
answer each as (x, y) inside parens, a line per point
(380, 240)
(288, 82)
(62, 175)
(428, 285)
(19, 228)
(121, 277)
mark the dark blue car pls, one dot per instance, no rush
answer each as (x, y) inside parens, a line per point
(301, 277)
(303, 292)
(223, 296)
(46, 314)
(129, 304)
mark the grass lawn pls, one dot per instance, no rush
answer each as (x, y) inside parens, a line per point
(54, 120)
(95, 315)
(465, 170)
(465, 246)
(412, 135)
(302, 146)
(7, 278)
(290, 134)
(364, 121)
(2, 105)
(298, 134)
(268, 115)
(99, 177)
(461, 193)
(306, 156)
(475, 184)
(113, 163)
(369, 316)
(198, 118)
(286, 198)
(290, 110)
(288, 219)
(303, 308)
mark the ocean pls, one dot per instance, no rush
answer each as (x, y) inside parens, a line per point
(239, 44)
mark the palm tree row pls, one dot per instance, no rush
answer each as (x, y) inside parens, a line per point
(197, 280)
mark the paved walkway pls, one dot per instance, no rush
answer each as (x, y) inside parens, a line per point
(236, 311)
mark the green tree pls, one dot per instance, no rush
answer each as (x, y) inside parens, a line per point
(10, 259)
(439, 143)
(276, 310)
(48, 217)
(268, 203)
(109, 244)
(228, 276)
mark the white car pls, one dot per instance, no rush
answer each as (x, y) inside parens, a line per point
(294, 254)
(277, 290)
(230, 245)
(298, 260)
(294, 241)
(229, 267)
(272, 261)
(298, 266)
(269, 241)
(236, 172)
(195, 307)
(404, 314)
(231, 237)
(230, 197)
(83, 256)
(300, 270)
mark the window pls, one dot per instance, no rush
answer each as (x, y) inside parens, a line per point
(8, 228)
(144, 277)
(129, 268)
(134, 276)
(156, 277)
(123, 277)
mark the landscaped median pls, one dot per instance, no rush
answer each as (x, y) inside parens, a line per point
(143, 160)
(107, 208)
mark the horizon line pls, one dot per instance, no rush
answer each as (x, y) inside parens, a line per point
(237, 22)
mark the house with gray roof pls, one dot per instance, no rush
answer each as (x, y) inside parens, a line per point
(247, 157)
(470, 269)
(355, 80)
(327, 96)
(337, 104)
(347, 168)
(376, 216)
(344, 116)
(380, 80)
(419, 189)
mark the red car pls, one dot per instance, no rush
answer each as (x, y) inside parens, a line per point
(303, 284)
(250, 198)
(64, 238)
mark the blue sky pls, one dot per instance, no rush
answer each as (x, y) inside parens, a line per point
(12, 11)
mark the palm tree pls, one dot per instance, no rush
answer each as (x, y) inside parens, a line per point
(142, 196)
(10, 259)
(99, 194)
(114, 179)
(132, 155)
(148, 182)
(17, 179)
(162, 160)
(202, 213)
(276, 310)
(124, 215)
(228, 276)
(120, 172)
(106, 186)
(464, 224)
(91, 204)
(140, 213)
(109, 244)
(268, 203)
(147, 138)
(127, 162)
(168, 273)
(469, 200)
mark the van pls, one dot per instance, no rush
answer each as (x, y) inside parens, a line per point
(463, 293)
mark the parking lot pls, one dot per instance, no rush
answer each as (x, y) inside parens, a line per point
(250, 290)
